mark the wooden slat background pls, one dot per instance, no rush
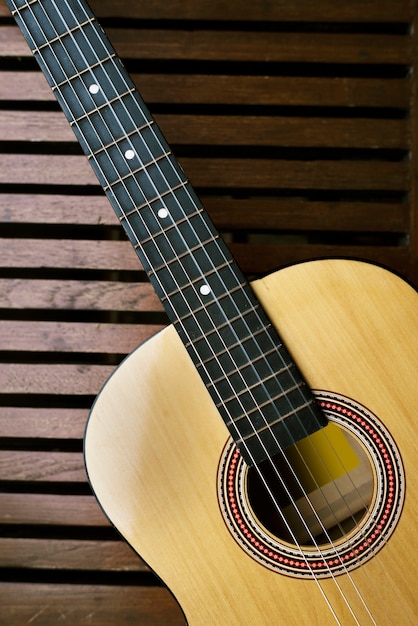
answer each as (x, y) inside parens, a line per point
(295, 121)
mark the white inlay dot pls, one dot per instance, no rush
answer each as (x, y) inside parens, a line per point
(205, 290)
(129, 154)
(94, 88)
(162, 213)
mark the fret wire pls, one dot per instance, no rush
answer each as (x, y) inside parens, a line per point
(325, 597)
(238, 370)
(254, 386)
(173, 226)
(164, 194)
(228, 323)
(194, 281)
(261, 405)
(181, 255)
(178, 258)
(280, 419)
(238, 344)
(132, 173)
(132, 133)
(99, 108)
(71, 79)
(87, 114)
(65, 34)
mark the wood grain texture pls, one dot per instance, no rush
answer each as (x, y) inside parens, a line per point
(45, 509)
(352, 328)
(222, 172)
(50, 467)
(232, 85)
(46, 126)
(92, 604)
(66, 554)
(74, 295)
(60, 379)
(36, 336)
(235, 90)
(212, 45)
(42, 423)
(371, 10)
(227, 212)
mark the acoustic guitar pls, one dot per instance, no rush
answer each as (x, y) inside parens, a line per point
(260, 453)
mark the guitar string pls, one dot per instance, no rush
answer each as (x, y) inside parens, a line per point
(54, 55)
(363, 601)
(272, 372)
(52, 49)
(329, 506)
(324, 497)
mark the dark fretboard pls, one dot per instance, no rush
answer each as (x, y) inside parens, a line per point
(254, 383)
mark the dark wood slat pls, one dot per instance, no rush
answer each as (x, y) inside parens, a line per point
(51, 467)
(263, 258)
(42, 423)
(303, 10)
(22, 378)
(296, 214)
(22, 208)
(73, 337)
(204, 45)
(50, 604)
(42, 509)
(221, 173)
(259, 90)
(81, 254)
(46, 126)
(227, 213)
(61, 555)
(77, 295)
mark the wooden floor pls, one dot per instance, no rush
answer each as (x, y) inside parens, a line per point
(296, 123)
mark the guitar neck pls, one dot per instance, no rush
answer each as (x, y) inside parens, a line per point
(242, 361)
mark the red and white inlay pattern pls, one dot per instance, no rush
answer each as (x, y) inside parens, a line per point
(329, 560)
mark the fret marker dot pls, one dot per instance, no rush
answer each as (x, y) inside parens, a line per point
(94, 88)
(129, 154)
(162, 213)
(205, 290)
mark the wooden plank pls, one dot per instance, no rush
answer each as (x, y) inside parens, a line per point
(73, 337)
(303, 10)
(262, 258)
(50, 467)
(42, 423)
(77, 295)
(31, 208)
(230, 45)
(298, 214)
(221, 173)
(227, 213)
(76, 254)
(64, 554)
(59, 379)
(236, 90)
(43, 509)
(51, 604)
(47, 126)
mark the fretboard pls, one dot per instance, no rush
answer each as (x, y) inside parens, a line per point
(250, 375)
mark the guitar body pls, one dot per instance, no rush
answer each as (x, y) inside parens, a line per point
(154, 447)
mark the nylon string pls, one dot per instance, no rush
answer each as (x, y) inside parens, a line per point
(180, 291)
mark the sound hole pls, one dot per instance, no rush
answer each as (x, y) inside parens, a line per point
(322, 489)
